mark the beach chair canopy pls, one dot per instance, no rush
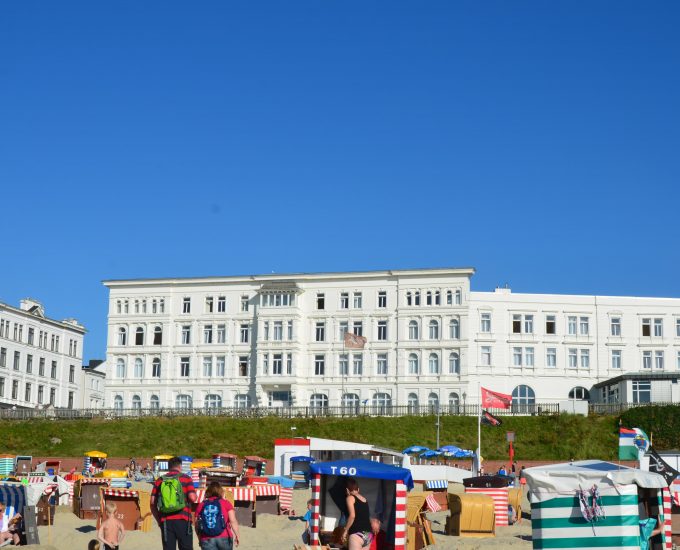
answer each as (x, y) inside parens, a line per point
(365, 469)
(430, 454)
(301, 459)
(96, 454)
(415, 449)
(255, 459)
(488, 481)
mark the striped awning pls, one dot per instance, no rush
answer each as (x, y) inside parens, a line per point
(267, 490)
(437, 484)
(121, 493)
(95, 481)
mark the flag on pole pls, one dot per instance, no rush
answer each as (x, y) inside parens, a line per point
(490, 420)
(354, 341)
(660, 466)
(633, 443)
(495, 400)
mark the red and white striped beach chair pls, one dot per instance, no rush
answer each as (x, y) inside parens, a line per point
(286, 502)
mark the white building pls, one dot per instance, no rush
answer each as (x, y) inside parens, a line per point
(94, 379)
(276, 340)
(40, 358)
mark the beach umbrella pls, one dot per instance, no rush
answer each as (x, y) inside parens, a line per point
(463, 454)
(415, 449)
(429, 454)
(449, 449)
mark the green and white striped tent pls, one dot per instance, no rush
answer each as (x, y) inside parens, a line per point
(556, 518)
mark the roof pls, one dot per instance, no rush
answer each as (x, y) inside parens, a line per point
(364, 469)
(638, 376)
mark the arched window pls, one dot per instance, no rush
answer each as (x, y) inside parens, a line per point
(412, 403)
(454, 329)
(183, 401)
(122, 336)
(413, 367)
(120, 368)
(158, 336)
(459, 297)
(434, 363)
(454, 363)
(154, 402)
(454, 400)
(318, 401)
(409, 299)
(433, 403)
(413, 332)
(213, 401)
(118, 403)
(579, 393)
(350, 403)
(139, 368)
(156, 368)
(523, 399)
(139, 336)
(242, 401)
(434, 330)
(381, 402)
(136, 402)
(428, 298)
(449, 298)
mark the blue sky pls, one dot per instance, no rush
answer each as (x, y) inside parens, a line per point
(535, 141)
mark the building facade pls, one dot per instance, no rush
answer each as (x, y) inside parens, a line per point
(277, 341)
(40, 358)
(94, 379)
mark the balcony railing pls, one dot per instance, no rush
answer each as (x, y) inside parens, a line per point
(619, 408)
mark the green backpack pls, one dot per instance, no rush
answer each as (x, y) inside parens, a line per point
(171, 495)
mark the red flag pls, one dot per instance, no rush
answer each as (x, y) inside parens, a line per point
(354, 341)
(495, 400)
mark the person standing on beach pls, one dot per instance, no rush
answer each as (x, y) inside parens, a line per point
(171, 500)
(358, 531)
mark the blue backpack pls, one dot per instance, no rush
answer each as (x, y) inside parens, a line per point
(211, 520)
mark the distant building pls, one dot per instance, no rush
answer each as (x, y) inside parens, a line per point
(40, 358)
(94, 378)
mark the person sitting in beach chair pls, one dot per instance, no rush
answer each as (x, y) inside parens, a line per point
(10, 526)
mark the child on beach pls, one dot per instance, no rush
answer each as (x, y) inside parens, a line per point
(8, 526)
(307, 535)
(111, 532)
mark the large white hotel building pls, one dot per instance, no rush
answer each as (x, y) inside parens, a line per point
(277, 340)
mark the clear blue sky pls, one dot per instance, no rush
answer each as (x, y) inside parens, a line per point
(536, 141)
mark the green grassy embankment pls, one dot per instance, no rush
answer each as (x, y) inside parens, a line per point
(537, 437)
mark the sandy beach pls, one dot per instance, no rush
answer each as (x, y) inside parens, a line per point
(272, 532)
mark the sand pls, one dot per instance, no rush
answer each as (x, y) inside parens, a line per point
(272, 532)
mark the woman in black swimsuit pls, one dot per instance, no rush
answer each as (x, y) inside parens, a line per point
(358, 532)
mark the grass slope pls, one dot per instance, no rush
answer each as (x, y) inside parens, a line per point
(538, 437)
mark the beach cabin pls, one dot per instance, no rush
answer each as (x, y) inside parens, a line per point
(23, 465)
(133, 508)
(385, 488)
(86, 497)
(6, 464)
(160, 464)
(300, 470)
(225, 461)
(591, 503)
(253, 468)
(13, 496)
(94, 462)
(52, 467)
(186, 464)
(497, 487)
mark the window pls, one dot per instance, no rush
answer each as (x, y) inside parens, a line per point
(136, 402)
(118, 307)
(220, 366)
(658, 360)
(242, 401)
(615, 326)
(53, 370)
(358, 328)
(437, 298)
(413, 330)
(550, 324)
(156, 368)
(343, 364)
(523, 395)
(585, 359)
(454, 329)
(41, 366)
(290, 330)
(357, 364)
(139, 336)
(265, 364)
(154, 402)
(382, 299)
(409, 299)
(434, 330)
(616, 358)
(454, 401)
(343, 328)
(516, 357)
(221, 334)
(381, 365)
(428, 298)
(245, 333)
(31, 336)
(319, 365)
(528, 324)
(584, 326)
(434, 363)
(209, 304)
(265, 330)
(350, 401)
(15, 389)
(53, 396)
(221, 304)
(157, 336)
(413, 367)
(118, 403)
(207, 366)
(454, 363)
(183, 401)
(529, 357)
(571, 325)
(17, 360)
(357, 302)
(433, 402)
(646, 327)
(344, 300)
(213, 401)
(244, 303)
(416, 298)
(485, 324)
(136, 306)
(318, 402)
(516, 324)
(279, 299)
(579, 393)
(184, 366)
(382, 402)
(277, 363)
(412, 403)
(551, 357)
(658, 327)
(186, 305)
(289, 363)
(243, 363)
(320, 301)
(29, 363)
(3, 357)
(459, 297)
(41, 391)
(27, 392)
(122, 336)
(186, 334)
(207, 334)
(677, 327)
(573, 358)
(642, 391)
(486, 356)
(70, 400)
(320, 332)
(646, 359)
(382, 330)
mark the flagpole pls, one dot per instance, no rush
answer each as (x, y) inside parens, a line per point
(479, 428)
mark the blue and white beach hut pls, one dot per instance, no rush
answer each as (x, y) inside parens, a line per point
(595, 504)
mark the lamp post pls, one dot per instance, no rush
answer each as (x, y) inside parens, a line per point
(464, 410)
(438, 423)
(292, 432)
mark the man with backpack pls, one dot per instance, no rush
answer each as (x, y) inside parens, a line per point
(171, 500)
(216, 523)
